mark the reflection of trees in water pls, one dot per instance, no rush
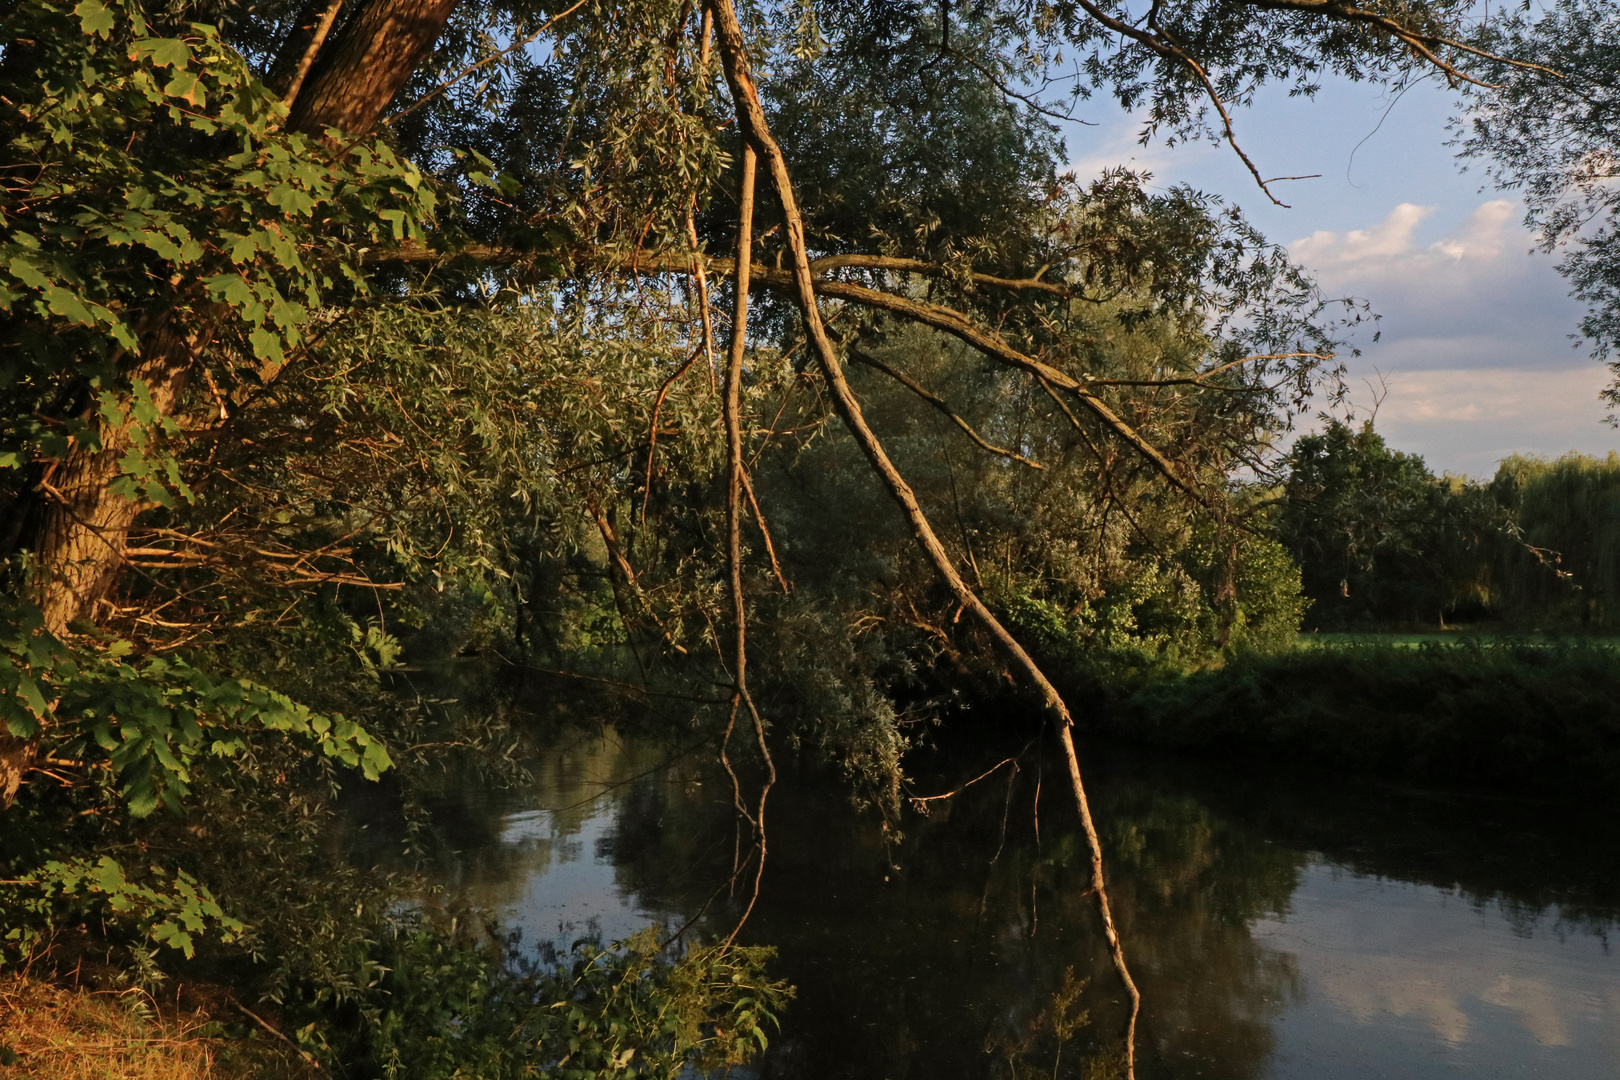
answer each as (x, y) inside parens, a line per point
(485, 842)
(942, 957)
(1529, 860)
(1190, 883)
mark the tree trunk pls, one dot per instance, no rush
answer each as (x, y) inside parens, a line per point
(79, 550)
(79, 545)
(17, 756)
(298, 40)
(365, 65)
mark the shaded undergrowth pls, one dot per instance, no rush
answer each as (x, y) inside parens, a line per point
(1538, 718)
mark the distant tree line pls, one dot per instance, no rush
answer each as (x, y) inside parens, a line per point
(1382, 541)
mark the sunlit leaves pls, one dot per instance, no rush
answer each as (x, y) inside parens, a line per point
(163, 202)
(154, 722)
(170, 910)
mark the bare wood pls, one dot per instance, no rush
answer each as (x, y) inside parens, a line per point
(316, 40)
(921, 266)
(997, 348)
(736, 479)
(79, 549)
(765, 534)
(752, 122)
(309, 1059)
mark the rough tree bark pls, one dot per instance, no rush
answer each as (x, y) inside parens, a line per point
(79, 548)
(360, 71)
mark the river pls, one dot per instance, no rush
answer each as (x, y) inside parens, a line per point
(1285, 927)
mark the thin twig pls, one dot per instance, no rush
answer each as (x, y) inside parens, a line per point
(942, 405)
(920, 802)
(765, 534)
(735, 479)
(309, 1059)
(756, 129)
(485, 62)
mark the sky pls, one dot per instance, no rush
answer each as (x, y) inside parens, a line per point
(1475, 359)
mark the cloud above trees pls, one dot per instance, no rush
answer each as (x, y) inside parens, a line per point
(1474, 359)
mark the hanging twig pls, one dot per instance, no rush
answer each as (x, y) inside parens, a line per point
(942, 405)
(920, 802)
(734, 490)
(765, 534)
(753, 124)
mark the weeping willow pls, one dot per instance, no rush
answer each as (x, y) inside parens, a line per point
(1563, 564)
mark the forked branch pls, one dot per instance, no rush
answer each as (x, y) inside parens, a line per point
(752, 123)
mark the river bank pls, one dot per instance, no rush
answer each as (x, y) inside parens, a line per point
(1528, 716)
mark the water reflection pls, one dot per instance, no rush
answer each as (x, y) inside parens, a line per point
(1407, 979)
(1278, 931)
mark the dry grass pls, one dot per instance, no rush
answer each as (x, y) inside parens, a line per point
(58, 1034)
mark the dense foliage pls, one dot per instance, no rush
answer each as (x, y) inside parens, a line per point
(1513, 716)
(1382, 542)
(1380, 539)
(327, 359)
(1552, 132)
(1562, 566)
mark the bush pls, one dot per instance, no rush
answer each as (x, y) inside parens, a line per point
(1515, 715)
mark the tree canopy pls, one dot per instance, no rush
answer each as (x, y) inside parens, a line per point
(603, 330)
(1548, 127)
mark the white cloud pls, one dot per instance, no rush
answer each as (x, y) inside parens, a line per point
(1474, 338)
(1119, 142)
(1487, 243)
(1483, 234)
(1466, 420)
(1371, 950)
(1390, 239)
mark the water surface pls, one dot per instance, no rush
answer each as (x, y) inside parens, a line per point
(1281, 928)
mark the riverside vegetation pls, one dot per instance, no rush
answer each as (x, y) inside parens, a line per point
(345, 343)
(1520, 697)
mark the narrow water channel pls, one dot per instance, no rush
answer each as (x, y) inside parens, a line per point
(1302, 929)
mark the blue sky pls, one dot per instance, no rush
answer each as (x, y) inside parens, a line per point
(1475, 361)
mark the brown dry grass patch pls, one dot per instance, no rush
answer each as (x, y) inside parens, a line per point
(53, 1033)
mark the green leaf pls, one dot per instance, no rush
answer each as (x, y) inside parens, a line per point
(187, 87)
(266, 343)
(67, 305)
(166, 52)
(28, 690)
(396, 218)
(95, 18)
(231, 288)
(27, 273)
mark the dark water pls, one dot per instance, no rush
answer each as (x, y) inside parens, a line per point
(1279, 928)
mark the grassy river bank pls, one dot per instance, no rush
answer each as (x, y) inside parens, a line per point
(1526, 715)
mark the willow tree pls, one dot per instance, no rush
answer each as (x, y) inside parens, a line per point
(200, 202)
